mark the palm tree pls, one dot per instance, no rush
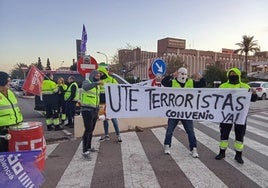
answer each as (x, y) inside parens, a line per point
(247, 45)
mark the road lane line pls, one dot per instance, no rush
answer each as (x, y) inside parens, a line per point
(260, 116)
(254, 172)
(137, 169)
(50, 148)
(194, 169)
(79, 171)
(263, 149)
(260, 123)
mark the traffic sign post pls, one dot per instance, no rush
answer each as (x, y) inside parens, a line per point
(86, 64)
(159, 67)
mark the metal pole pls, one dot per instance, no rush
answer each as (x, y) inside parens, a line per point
(105, 56)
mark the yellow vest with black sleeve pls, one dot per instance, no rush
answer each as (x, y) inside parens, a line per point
(188, 84)
(10, 113)
(49, 87)
(68, 92)
(91, 98)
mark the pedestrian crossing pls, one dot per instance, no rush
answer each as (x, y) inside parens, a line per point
(139, 160)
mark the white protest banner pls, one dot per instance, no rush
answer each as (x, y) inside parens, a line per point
(208, 104)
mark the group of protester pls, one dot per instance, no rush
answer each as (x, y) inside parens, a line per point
(60, 102)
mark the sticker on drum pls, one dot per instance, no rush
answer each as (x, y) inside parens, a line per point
(29, 136)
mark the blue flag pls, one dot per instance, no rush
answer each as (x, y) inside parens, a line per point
(18, 169)
(83, 46)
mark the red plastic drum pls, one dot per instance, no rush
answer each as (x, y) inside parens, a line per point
(29, 136)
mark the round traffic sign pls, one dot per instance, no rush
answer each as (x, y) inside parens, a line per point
(159, 67)
(86, 64)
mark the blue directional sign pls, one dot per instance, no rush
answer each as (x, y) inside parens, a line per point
(159, 67)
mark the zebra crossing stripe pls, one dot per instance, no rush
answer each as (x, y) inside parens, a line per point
(194, 169)
(260, 123)
(260, 116)
(264, 113)
(249, 142)
(79, 167)
(257, 131)
(254, 172)
(50, 148)
(137, 169)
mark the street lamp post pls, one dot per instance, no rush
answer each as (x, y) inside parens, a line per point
(105, 56)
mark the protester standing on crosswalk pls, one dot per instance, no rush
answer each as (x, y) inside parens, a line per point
(107, 79)
(90, 100)
(234, 81)
(179, 79)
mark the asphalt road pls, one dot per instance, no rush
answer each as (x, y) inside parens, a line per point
(139, 160)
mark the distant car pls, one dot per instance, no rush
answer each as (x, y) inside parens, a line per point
(19, 85)
(261, 88)
(13, 82)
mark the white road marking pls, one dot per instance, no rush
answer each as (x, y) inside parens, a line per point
(261, 117)
(137, 169)
(50, 148)
(260, 123)
(79, 172)
(250, 169)
(193, 168)
(247, 141)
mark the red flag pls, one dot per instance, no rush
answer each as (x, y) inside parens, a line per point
(33, 82)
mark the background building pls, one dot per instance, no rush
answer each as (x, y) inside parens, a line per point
(196, 61)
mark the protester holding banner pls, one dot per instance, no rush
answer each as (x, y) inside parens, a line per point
(9, 110)
(106, 78)
(61, 104)
(179, 79)
(71, 97)
(157, 80)
(50, 98)
(234, 81)
(90, 100)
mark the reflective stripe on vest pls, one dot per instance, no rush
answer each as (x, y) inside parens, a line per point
(10, 113)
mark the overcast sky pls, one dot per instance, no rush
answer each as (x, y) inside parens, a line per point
(48, 29)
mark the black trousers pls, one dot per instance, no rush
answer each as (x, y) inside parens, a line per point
(70, 110)
(239, 130)
(3, 142)
(51, 105)
(89, 118)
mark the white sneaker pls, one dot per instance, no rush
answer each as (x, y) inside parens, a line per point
(86, 155)
(104, 138)
(167, 149)
(119, 139)
(194, 153)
